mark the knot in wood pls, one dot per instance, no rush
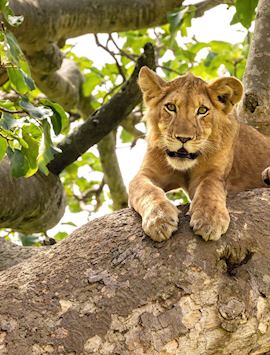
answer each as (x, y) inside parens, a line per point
(234, 308)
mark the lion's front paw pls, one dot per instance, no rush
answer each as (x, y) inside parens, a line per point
(266, 176)
(161, 221)
(209, 223)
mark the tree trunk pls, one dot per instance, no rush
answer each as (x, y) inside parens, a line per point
(255, 106)
(109, 289)
(112, 173)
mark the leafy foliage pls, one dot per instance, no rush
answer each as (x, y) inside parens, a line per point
(245, 12)
(26, 122)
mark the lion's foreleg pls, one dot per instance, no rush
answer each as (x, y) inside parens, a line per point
(209, 215)
(159, 215)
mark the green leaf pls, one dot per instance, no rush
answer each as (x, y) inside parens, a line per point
(174, 19)
(14, 50)
(19, 73)
(3, 147)
(60, 235)
(17, 80)
(6, 104)
(126, 137)
(39, 112)
(31, 153)
(245, 12)
(47, 150)
(91, 159)
(3, 4)
(59, 118)
(19, 163)
(7, 121)
(186, 22)
(28, 80)
(92, 80)
(181, 20)
(69, 224)
(28, 240)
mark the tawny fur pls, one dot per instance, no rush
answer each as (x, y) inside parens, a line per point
(231, 156)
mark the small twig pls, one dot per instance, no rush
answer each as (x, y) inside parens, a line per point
(74, 116)
(122, 52)
(203, 6)
(169, 69)
(134, 142)
(90, 193)
(95, 192)
(113, 55)
(158, 45)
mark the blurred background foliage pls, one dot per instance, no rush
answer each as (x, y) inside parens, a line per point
(31, 125)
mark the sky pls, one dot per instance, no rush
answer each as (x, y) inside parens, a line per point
(214, 25)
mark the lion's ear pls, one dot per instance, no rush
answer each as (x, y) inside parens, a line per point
(150, 83)
(226, 92)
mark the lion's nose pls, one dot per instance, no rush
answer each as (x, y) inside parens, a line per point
(183, 139)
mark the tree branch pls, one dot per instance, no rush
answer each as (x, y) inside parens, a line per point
(12, 254)
(37, 202)
(47, 21)
(112, 172)
(104, 120)
(109, 289)
(206, 5)
(255, 106)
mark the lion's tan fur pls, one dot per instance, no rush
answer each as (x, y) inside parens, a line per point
(232, 156)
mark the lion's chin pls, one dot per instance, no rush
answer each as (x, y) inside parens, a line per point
(181, 159)
(181, 163)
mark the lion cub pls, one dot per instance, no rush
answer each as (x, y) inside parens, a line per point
(194, 142)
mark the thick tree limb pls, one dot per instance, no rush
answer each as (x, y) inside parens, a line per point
(32, 204)
(47, 21)
(104, 120)
(255, 107)
(108, 289)
(12, 254)
(62, 86)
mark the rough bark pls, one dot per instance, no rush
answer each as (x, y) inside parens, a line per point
(62, 86)
(28, 205)
(12, 254)
(53, 21)
(108, 289)
(255, 106)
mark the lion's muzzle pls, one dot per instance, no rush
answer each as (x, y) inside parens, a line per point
(182, 153)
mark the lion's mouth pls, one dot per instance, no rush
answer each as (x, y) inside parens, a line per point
(182, 154)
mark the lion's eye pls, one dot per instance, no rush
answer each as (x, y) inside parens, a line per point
(171, 107)
(202, 110)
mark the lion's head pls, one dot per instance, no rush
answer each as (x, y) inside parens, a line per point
(187, 117)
